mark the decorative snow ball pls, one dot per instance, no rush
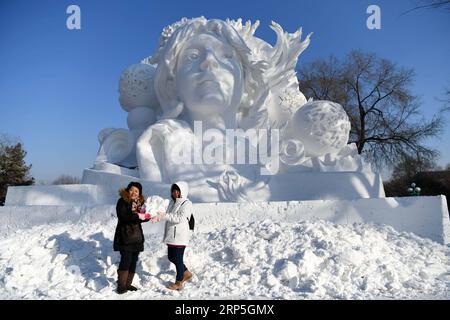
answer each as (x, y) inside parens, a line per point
(136, 87)
(140, 118)
(322, 126)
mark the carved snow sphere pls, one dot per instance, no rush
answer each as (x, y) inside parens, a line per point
(140, 118)
(322, 126)
(136, 87)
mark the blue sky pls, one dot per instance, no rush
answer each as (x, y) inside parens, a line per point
(58, 87)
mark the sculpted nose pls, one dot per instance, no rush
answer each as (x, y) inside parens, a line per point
(210, 61)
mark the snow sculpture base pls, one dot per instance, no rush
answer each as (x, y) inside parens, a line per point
(102, 188)
(286, 187)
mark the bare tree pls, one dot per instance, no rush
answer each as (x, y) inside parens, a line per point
(446, 99)
(387, 125)
(66, 179)
(410, 167)
(431, 4)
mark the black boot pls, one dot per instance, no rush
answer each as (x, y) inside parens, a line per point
(129, 281)
(122, 281)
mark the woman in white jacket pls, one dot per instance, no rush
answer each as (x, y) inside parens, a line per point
(177, 233)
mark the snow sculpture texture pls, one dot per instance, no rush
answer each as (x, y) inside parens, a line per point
(219, 75)
(322, 126)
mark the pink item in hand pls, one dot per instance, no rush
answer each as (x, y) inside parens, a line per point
(142, 216)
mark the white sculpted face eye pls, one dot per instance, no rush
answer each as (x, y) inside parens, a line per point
(192, 54)
(229, 54)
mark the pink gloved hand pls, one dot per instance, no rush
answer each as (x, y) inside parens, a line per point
(142, 216)
(161, 215)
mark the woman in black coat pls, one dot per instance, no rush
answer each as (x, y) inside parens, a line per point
(129, 238)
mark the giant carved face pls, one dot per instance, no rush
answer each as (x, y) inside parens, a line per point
(209, 75)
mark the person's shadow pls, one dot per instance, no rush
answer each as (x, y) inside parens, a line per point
(88, 258)
(165, 270)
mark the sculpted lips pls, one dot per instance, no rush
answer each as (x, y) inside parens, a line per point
(207, 76)
(209, 81)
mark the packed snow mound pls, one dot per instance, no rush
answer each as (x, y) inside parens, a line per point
(266, 259)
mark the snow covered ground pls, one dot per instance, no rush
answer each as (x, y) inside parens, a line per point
(265, 259)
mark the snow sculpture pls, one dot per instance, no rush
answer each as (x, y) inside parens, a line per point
(154, 204)
(208, 78)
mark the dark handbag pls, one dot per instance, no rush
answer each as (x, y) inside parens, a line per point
(131, 233)
(191, 222)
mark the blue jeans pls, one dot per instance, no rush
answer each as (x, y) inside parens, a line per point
(175, 256)
(128, 261)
